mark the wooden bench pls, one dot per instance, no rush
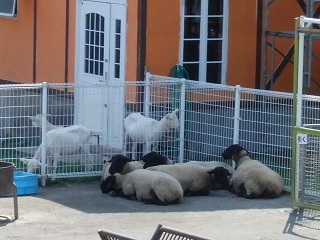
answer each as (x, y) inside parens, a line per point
(161, 233)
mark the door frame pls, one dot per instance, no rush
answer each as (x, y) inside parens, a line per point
(78, 34)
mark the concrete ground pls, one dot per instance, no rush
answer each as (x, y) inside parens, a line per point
(78, 210)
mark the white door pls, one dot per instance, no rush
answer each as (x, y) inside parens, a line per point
(100, 66)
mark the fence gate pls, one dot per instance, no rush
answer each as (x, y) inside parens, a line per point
(306, 134)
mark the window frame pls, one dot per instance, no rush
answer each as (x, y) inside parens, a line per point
(13, 13)
(204, 39)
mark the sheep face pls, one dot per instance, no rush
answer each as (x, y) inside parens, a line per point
(233, 151)
(154, 159)
(220, 177)
(108, 184)
(117, 163)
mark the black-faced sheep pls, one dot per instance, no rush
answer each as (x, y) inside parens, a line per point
(149, 131)
(212, 165)
(155, 159)
(194, 179)
(122, 164)
(146, 186)
(252, 179)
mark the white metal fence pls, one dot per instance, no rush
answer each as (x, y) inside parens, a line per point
(212, 117)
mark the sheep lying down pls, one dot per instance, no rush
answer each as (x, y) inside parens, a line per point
(145, 186)
(194, 179)
(252, 179)
(122, 164)
(212, 165)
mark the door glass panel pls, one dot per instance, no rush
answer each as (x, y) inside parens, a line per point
(117, 50)
(192, 7)
(192, 69)
(191, 51)
(192, 27)
(203, 39)
(213, 72)
(214, 52)
(215, 7)
(94, 42)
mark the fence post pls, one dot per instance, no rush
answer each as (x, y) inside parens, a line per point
(236, 120)
(146, 103)
(182, 119)
(43, 158)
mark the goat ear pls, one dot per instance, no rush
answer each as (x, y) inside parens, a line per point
(176, 111)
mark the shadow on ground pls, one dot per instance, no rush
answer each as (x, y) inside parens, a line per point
(306, 218)
(88, 198)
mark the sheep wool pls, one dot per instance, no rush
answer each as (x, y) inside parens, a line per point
(194, 179)
(146, 186)
(252, 179)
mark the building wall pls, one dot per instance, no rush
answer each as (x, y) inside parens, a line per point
(162, 46)
(16, 45)
(242, 43)
(163, 29)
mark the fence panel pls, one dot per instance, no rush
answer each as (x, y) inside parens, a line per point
(211, 116)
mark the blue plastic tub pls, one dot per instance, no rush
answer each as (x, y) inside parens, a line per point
(27, 183)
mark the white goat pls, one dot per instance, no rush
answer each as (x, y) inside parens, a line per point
(148, 131)
(63, 141)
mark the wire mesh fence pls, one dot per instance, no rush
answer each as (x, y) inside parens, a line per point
(211, 117)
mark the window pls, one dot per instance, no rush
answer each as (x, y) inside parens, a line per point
(8, 8)
(203, 39)
(117, 49)
(94, 44)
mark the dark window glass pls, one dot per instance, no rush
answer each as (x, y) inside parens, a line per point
(98, 19)
(117, 41)
(213, 72)
(192, 7)
(96, 68)
(117, 56)
(86, 51)
(214, 51)
(91, 40)
(118, 26)
(102, 24)
(117, 71)
(193, 70)
(101, 53)
(191, 51)
(87, 37)
(87, 21)
(192, 27)
(215, 7)
(97, 38)
(101, 68)
(91, 52)
(86, 66)
(102, 39)
(92, 21)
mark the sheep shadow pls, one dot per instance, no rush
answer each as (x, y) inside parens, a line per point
(300, 217)
(87, 197)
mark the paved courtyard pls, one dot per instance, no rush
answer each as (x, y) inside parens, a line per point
(78, 210)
